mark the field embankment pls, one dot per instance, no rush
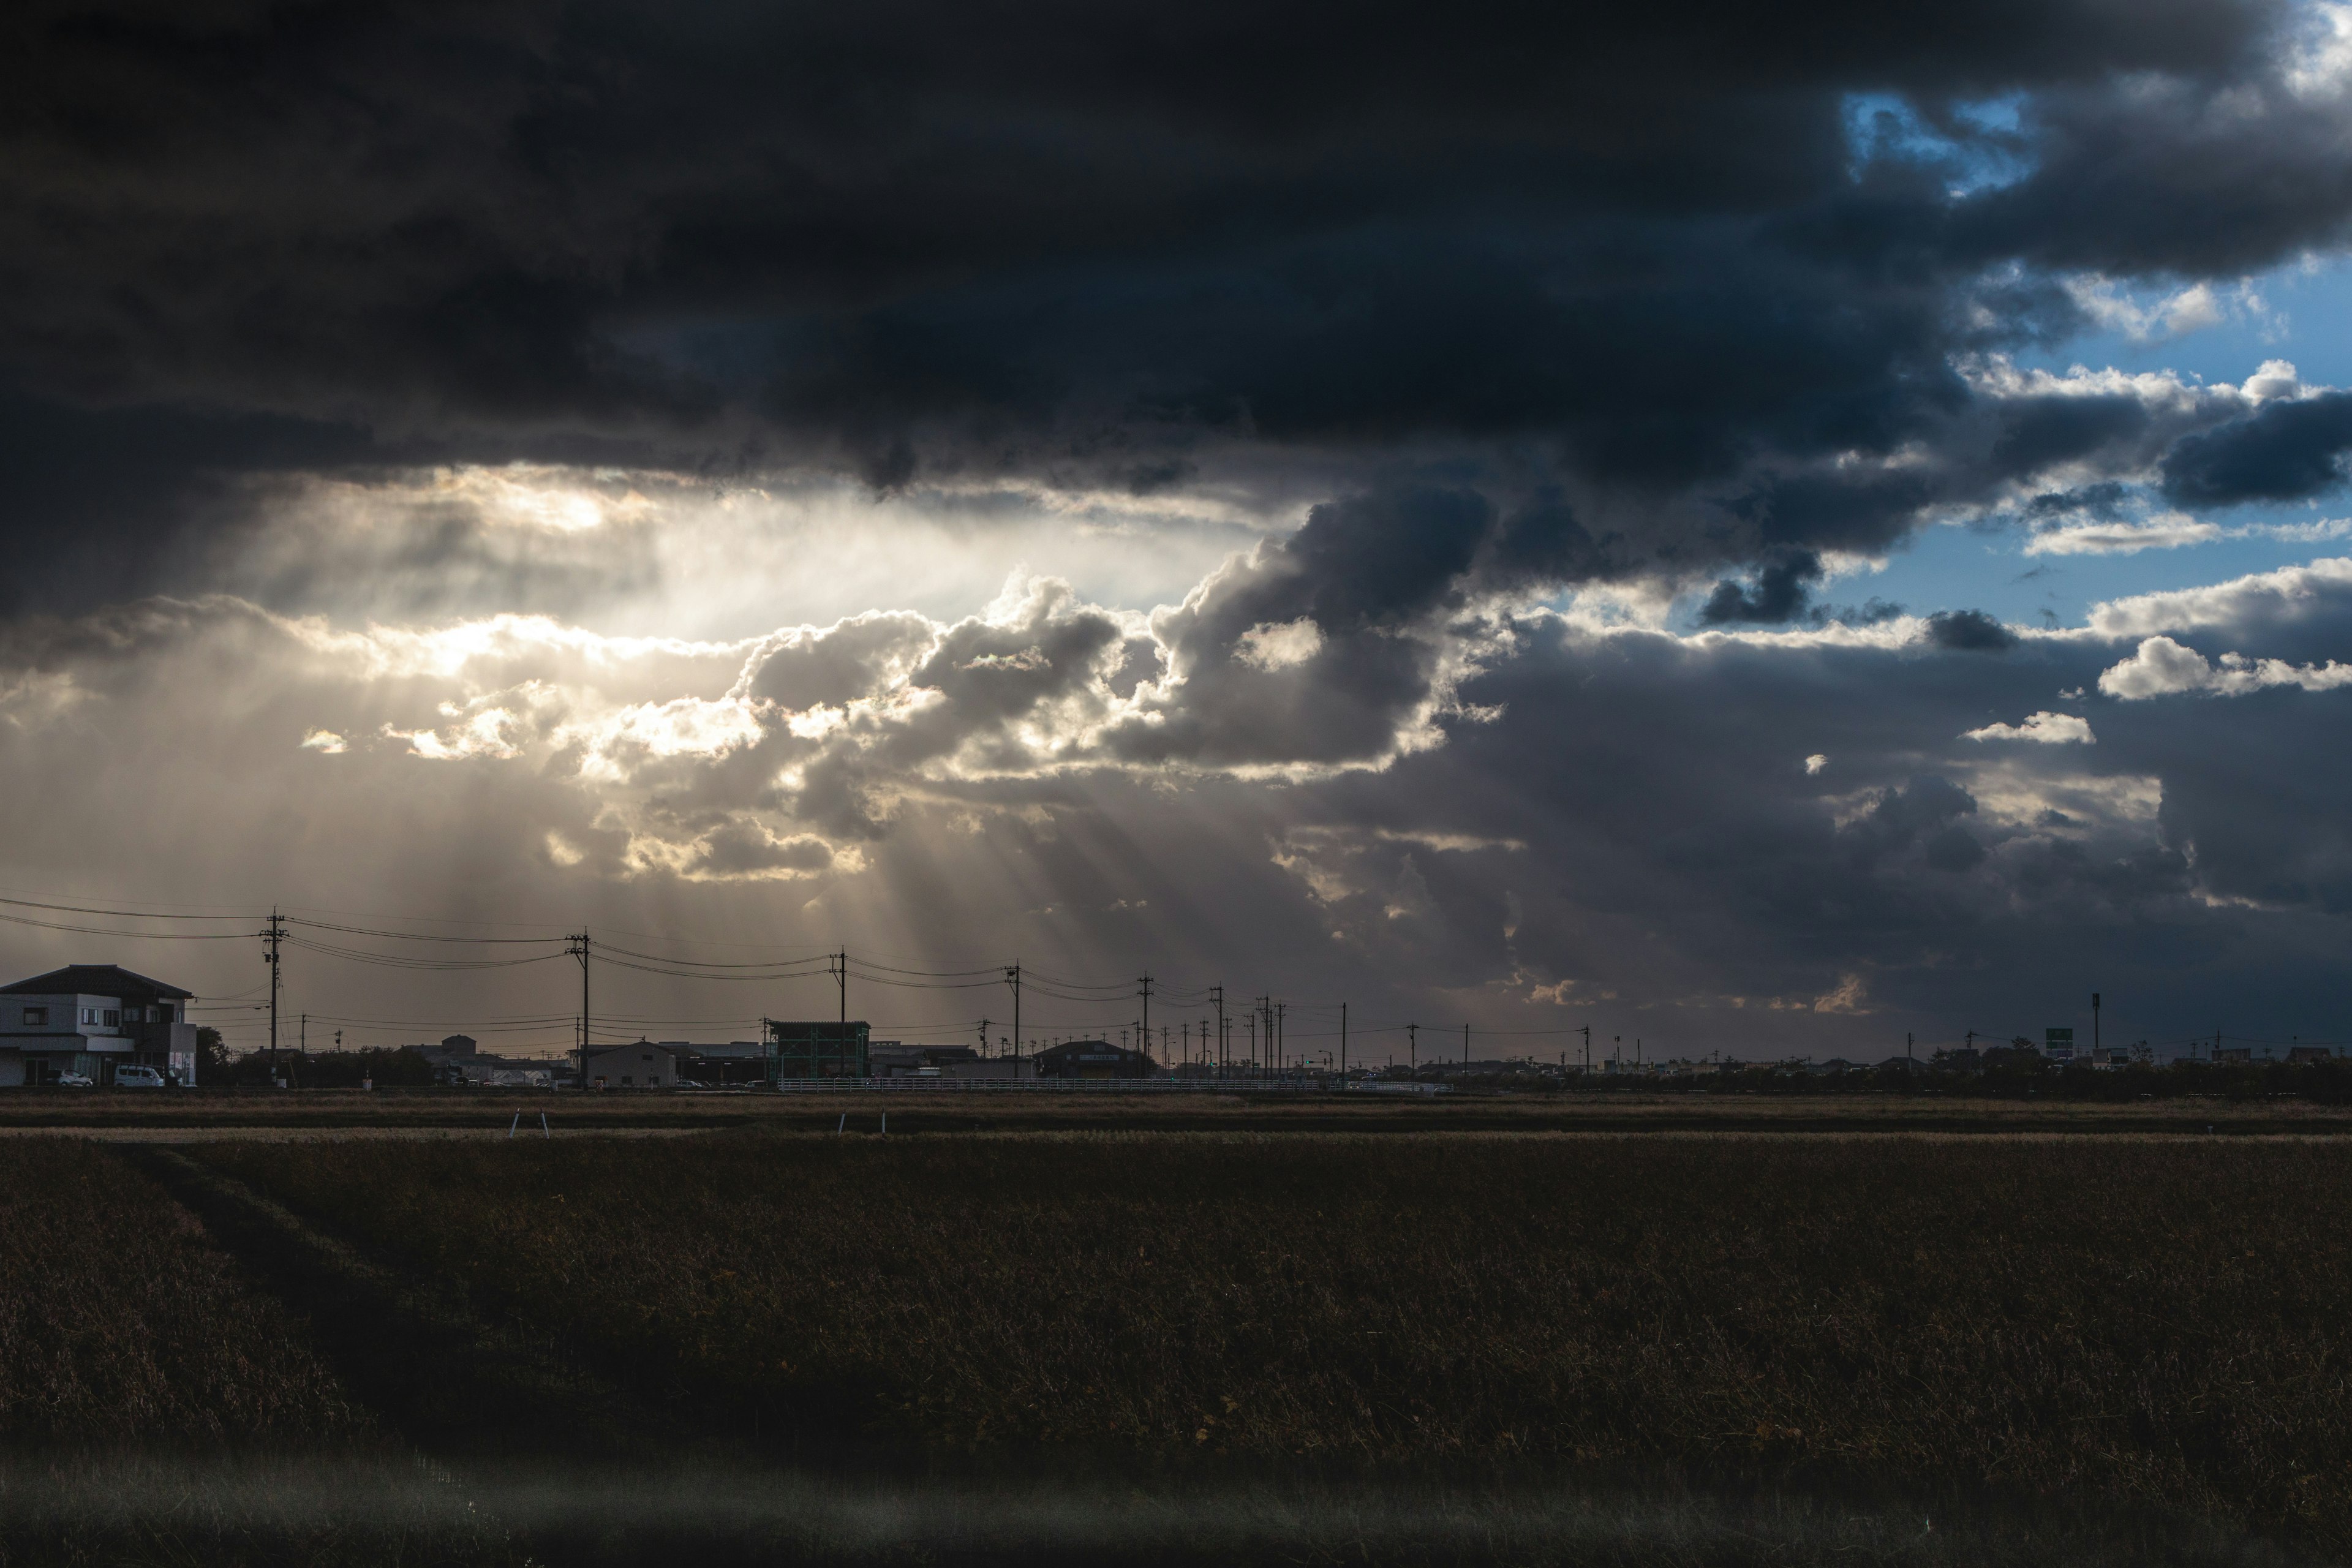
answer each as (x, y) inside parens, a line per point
(2155, 1324)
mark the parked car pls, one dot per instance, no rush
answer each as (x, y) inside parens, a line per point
(73, 1080)
(137, 1078)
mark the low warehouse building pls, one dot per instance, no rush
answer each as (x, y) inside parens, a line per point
(644, 1065)
(1092, 1059)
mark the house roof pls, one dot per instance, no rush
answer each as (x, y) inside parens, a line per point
(1086, 1048)
(94, 980)
(672, 1046)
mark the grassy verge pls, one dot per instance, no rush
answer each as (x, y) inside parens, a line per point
(2151, 1323)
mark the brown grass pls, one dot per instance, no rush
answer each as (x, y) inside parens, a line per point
(2154, 1323)
(119, 1323)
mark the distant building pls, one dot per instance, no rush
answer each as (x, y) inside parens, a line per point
(734, 1063)
(991, 1068)
(455, 1060)
(1091, 1059)
(91, 1018)
(800, 1050)
(892, 1059)
(2233, 1053)
(2058, 1045)
(644, 1065)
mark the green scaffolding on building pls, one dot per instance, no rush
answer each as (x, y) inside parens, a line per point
(804, 1050)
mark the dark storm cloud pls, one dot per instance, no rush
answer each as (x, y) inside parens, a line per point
(2283, 451)
(1969, 630)
(1631, 252)
(1779, 594)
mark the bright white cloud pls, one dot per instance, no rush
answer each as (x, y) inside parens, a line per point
(2287, 594)
(1269, 648)
(2169, 531)
(2318, 63)
(2049, 729)
(2189, 309)
(1816, 762)
(2163, 668)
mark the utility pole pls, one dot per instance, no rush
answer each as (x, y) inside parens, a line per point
(1224, 1053)
(1588, 1049)
(837, 966)
(1143, 1030)
(273, 936)
(1012, 978)
(1280, 1009)
(1412, 1047)
(578, 950)
(1253, 1035)
(1465, 1044)
(1343, 1045)
(983, 1037)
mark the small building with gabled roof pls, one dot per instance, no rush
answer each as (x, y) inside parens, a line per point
(91, 1018)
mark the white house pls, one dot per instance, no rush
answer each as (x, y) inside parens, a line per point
(91, 1018)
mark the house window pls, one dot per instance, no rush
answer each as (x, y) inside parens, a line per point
(89, 1014)
(36, 1016)
(113, 1019)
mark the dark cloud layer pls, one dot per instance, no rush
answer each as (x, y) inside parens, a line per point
(1635, 252)
(2283, 451)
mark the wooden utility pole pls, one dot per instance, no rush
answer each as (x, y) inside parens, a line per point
(578, 950)
(1012, 978)
(275, 934)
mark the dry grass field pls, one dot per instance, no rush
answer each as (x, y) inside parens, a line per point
(2153, 1322)
(119, 1323)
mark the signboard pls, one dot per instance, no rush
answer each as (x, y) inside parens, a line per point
(2058, 1045)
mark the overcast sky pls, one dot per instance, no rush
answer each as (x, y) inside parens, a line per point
(1752, 528)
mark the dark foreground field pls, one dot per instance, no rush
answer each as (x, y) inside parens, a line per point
(2155, 1325)
(1178, 1347)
